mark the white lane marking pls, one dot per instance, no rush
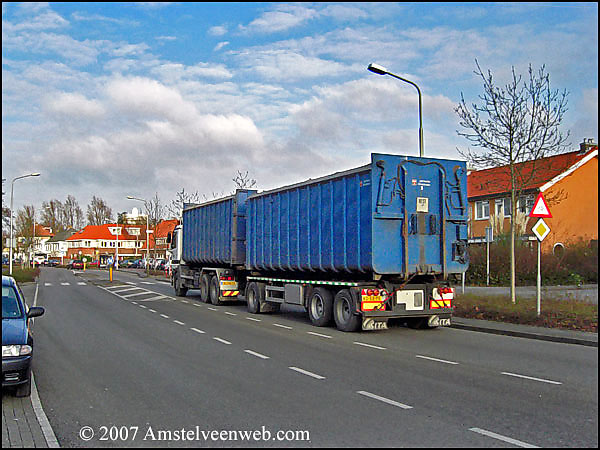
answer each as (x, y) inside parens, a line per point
(125, 290)
(146, 282)
(370, 346)
(47, 284)
(65, 284)
(319, 334)
(503, 438)
(197, 330)
(116, 287)
(137, 293)
(212, 309)
(253, 319)
(384, 400)
(436, 360)
(130, 282)
(164, 315)
(530, 378)
(230, 313)
(222, 341)
(151, 310)
(282, 326)
(306, 372)
(42, 419)
(134, 303)
(81, 283)
(143, 306)
(196, 304)
(150, 299)
(258, 355)
(184, 301)
(178, 322)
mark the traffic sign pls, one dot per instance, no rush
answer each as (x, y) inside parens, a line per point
(541, 230)
(540, 208)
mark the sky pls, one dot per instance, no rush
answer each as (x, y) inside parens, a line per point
(145, 99)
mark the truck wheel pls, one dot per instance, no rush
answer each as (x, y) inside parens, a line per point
(180, 290)
(214, 291)
(253, 298)
(204, 288)
(320, 307)
(343, 313)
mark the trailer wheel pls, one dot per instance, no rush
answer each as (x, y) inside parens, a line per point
(204, 288)
(253, 298)
(343, 313)
(214, 291)
(320, 307)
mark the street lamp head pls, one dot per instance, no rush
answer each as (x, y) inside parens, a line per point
(35, 174)
(376, 68)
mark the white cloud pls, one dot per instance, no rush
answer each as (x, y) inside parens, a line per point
(286, 17)
(217, 30)
(74, 105)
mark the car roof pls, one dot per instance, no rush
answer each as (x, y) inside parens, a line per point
(8, 281)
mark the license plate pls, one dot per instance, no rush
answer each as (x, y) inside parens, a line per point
(372, 324)
(228, 283)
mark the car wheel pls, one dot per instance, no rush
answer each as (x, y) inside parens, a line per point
(25, 389)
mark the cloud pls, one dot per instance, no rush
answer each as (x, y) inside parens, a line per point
(286, 17)
(217, 30)
(74, 105)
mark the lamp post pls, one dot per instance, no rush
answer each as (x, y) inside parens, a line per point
(147, 235)
(375, 68)
(12, 185)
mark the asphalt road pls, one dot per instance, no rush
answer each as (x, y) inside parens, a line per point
(131, 358)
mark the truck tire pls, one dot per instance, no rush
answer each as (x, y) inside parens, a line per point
(180, 290)
(214, 291)
(343, 312)
(253, 298)
(204, 288)
(320, 307)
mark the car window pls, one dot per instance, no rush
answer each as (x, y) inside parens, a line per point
(11, 307)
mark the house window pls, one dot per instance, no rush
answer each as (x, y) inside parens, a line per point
(503, 207)
(525, 203)
(482, 210)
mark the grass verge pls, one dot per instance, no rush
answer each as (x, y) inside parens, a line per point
(555, 313)
(22, 275)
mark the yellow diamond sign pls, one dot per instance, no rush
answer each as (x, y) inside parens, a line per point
(541, 230)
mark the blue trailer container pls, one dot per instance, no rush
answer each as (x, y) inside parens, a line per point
(214, 233)
(398, 215)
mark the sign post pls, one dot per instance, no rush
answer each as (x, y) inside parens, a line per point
(489, 237)
(540, 229)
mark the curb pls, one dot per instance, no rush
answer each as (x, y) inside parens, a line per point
(525, 334)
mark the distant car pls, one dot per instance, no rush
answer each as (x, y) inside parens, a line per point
(75, 264)
(17, 343)
(53, 262)
(93, 264)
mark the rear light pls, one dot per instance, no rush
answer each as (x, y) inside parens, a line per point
(226, 278)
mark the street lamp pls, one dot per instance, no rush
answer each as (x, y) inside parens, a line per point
(12, 185)
(375, 68)
(147, 235)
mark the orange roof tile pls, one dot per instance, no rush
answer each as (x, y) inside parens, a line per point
(496, 180)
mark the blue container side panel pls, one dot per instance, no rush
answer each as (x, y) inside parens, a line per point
(323, 227)
(208, 231)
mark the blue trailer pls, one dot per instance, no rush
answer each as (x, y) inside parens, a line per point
(357, 247)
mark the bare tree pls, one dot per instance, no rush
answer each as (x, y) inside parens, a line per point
(52, 212)
(24, 227)
(243, 180)
(514, 124)
(98, 212)
(175, 209)
(72, 214)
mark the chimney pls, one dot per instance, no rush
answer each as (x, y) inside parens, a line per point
(586, 145)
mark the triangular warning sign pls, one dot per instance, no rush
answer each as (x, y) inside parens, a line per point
(540, 208)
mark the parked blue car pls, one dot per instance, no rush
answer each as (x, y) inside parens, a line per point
(17, 342)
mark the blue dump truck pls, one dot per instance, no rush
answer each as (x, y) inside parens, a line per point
(358, 248)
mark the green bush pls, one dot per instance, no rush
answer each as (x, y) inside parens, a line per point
(577, 264)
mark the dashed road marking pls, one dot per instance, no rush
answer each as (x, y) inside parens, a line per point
(178, 322)
(253, 319)
(503, 438)
(258, 355)
(222, 341)
(370, 346)
(230, 313)
(306, 372)
(165, 316)
(282, 326)
(65, 284)
(384, 400)
(197, 330)
(437, 360)
(319, 334)
(530, 378)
